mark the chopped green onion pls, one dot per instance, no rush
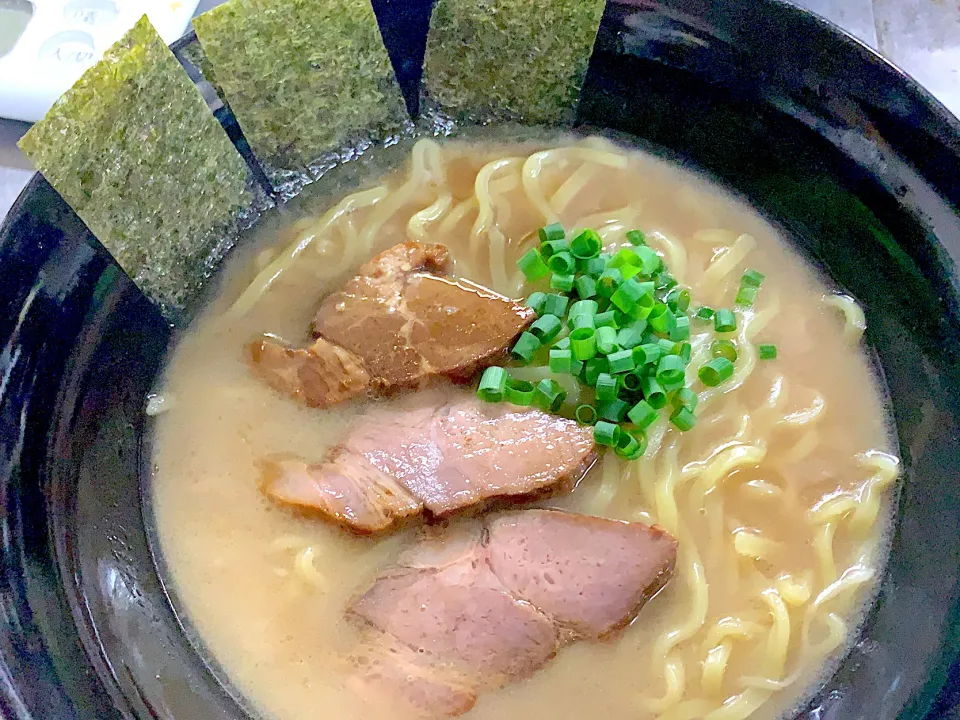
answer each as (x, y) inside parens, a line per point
(554, 231)
(653, 393)
(581, 321)
(767, 351)
(681, 329)
(606, 319)
(717, 371)
(586, 286)
(678, 299)
(549, 395)
(613, 410)
(643, 414)
(583, 307)
(606, 433)
(666, 281)
(660, 318)
(562, 263)
(546, 328)
(607, 387)
(593, 368)
(552, 247)
(685, 350)
(532, 266)
(563, 283)
(650, 262)
(525, 347)
(519, 392)
(683, 418)
(576, 367)
(630, 337)
(628, 295)
(607, 340)
(631, 445)
(630, 381)
(608, 282)
(751, 278)
(556, 305)
(746, 296)
(586, 245)
(636, 237)
(621, 361)
(725, 321)
(563, 343)
(583, 342)
(493, 382)
(685, 397)
(647, 353)
(725, 349)
(704, 313)
(629, 271)
(622, 319)
(624, 256)
(536, 301)
(670, 370)
(667, 347)
(593, 267)
(585, 414)
(560, 360)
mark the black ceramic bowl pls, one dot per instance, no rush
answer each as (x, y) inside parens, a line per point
(855, 161)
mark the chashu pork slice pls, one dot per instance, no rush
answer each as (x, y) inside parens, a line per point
(435, 457)
(491, 601)
(397, 323)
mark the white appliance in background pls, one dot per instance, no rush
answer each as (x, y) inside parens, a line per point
(45, 45)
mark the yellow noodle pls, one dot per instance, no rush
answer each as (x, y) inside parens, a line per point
(266, 277)
(855, 323)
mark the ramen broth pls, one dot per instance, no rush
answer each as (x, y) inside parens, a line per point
(778, 497)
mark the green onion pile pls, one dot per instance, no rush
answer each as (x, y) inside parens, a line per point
(620, 324)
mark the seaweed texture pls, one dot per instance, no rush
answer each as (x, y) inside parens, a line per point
(521, 60)
(303, 77)
(133, 148)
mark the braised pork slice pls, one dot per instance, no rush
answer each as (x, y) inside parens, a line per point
(400, 321)
(321, 375)
(433, 456)
(492, 600)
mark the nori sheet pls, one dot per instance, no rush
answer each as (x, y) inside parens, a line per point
(519, 60)
(302, 77)
(133, 148)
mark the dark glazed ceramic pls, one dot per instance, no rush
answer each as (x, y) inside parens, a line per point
(859, 165)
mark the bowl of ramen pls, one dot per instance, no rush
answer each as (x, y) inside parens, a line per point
(611, 371)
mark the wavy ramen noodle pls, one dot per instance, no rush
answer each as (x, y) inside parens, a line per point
(779, 496)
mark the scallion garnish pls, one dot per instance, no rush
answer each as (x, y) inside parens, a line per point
(553, 231)
(527, 344)
(606, 433)
(586, 245)
(629, 339)
(562, 263)
(724, 321)
(586, 286)
(715, 372)
(493, 383)
(532, 266)
(585, 414)
(519, 392)
(546, 328)
(725, 349)
(607, 386)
